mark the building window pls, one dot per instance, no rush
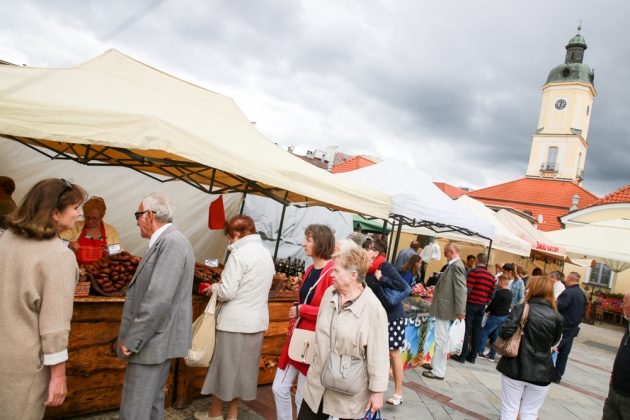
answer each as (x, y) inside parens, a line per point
(550, 165)
(601, 275)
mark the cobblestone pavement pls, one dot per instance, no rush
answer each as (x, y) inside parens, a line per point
(474, 391)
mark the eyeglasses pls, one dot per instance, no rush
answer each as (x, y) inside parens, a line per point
(140, 213)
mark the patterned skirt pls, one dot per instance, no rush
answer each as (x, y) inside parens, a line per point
(396, 334)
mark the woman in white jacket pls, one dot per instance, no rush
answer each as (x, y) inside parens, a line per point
(242, 320)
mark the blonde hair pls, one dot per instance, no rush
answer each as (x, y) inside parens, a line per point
(355, 259)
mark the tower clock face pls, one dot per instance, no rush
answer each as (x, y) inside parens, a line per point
(560, 104)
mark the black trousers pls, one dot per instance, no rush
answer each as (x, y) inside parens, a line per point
(307, 414)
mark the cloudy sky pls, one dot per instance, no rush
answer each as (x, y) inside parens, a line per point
(452, 87)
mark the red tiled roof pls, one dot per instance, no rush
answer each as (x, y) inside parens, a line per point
(450, 190)
(314, 161)
(356, 162)
(622, 195)
(548, 197)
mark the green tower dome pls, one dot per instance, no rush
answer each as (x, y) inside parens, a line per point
(573, 69)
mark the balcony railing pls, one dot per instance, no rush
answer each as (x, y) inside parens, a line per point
(549, 167)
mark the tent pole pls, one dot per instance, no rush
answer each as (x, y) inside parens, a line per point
(284, 210)
(243, 202)
(398, 232)
(489, 249)
(390, 238)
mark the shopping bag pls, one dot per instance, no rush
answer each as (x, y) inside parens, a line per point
(395, 296)
(203, 332)
(456, 333)
(302, 346)
(369, 415)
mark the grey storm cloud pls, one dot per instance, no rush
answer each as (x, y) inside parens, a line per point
(452, 87)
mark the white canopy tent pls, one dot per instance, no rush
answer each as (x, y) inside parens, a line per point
(607, 241)
(504, 240)
(524, 230)
(116, 111)
(418, 201)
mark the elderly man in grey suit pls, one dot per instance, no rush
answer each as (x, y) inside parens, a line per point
(157, 316)
(448, 304)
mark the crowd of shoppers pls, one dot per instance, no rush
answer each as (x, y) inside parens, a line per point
(341, 298)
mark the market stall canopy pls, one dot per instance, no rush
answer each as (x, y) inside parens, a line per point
(523, 229)
(504, 240)
(117, 111)
(607, 241)
(416, 199)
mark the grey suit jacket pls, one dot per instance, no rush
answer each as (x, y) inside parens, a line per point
(449, 297)
(157, 316)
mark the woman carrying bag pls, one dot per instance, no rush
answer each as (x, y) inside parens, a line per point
(319, 244)
(526, 377)
(381, 275)
(349, 373)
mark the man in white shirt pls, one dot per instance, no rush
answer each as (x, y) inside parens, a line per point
(558, 283)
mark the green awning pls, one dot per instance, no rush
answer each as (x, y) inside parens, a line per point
(369, 226)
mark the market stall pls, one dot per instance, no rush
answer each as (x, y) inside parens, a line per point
(543, 249)
(116, 111)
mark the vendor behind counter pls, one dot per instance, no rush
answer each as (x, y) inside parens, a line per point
(92, 233)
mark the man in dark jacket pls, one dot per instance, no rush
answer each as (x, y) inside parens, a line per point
(617, 405)
(571, 305)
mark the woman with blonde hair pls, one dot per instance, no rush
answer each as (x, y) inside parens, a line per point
(351, 326)
(526, 377)
(38, 274)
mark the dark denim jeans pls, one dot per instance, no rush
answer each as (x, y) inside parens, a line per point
(491, 330)
(474, 316)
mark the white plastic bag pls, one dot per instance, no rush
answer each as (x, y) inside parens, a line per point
(431, 252)
(456, 333)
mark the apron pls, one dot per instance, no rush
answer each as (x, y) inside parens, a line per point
(92, 248)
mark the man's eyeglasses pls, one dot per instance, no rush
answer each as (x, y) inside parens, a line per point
(140, 213)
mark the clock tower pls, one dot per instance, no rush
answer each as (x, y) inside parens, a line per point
(560, 143)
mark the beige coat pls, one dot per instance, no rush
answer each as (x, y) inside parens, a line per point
(37, 281)
(359, 330)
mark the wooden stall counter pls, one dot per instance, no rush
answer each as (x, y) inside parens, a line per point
(190, 380)
(95, 375)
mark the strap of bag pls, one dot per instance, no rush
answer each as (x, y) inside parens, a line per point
(524, 316)
(211, 306)
(321, 276)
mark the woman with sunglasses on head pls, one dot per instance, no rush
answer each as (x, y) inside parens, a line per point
(92, 231)
(38, 274)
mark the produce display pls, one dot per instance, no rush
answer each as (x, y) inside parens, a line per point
(205, 274)
(111, 275)
(285, 286)
(424, 292)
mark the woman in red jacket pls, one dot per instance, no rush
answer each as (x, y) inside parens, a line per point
(319, 244)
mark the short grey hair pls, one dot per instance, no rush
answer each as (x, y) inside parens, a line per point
(575, 276)
(160, 206)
